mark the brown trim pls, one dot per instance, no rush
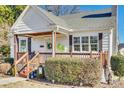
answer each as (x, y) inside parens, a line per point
(29, 44)
(17, 39)
(68, 53)
(100, 41)
(37, 33)
(16, 45)
(70, 43)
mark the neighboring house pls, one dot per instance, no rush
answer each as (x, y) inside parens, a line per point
(121, 48)
(41, 31)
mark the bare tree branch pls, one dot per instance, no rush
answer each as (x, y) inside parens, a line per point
(61, 9)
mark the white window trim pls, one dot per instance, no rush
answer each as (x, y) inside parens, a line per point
(73, 44)
(89, 44)
(20, 44)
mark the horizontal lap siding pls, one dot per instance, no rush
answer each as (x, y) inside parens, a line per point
(105, 41)
(32, 22)
(105, 37)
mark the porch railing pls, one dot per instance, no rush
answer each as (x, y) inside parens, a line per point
(103, 56)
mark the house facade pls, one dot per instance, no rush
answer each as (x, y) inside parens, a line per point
(37, 30)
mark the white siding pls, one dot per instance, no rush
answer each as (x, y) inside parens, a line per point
(105, 41)
(38, 41)
(32, 22)
(64, 40)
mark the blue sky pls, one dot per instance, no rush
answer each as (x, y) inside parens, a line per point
(120, 17)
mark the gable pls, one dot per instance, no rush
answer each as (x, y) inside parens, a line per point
(32, 21)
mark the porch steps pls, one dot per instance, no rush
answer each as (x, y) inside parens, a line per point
(24, 62)
(24, 72)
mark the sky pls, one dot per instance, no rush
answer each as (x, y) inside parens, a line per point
(120, 17)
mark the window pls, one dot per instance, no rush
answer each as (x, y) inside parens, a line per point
(76, 43)
(94, 43)
(85, 43)
(22, 45)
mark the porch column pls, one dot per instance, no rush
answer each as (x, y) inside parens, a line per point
(110, 76)
(110, 47)
(53, 43)
(15, 51)
(16, 45)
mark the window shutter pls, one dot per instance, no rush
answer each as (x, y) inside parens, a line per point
(100, 41)
(29, 44)
(17, 43)
(70, 43)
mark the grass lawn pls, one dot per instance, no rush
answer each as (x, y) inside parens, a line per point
(43, 84)
(32, 84)
(37, 84)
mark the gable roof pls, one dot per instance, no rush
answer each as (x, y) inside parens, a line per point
(76, 21)
(57, 20)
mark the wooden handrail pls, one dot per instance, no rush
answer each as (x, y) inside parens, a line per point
(34, 57)
(26, 54)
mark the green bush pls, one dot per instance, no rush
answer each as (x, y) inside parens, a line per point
(73, 71)
(117, 63)
(5, 50)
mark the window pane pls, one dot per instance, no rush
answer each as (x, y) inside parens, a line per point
(23, 42)
(23, 46)
(76, 47)
(93, 39)
(84, 39)
(94, 47)
(85, 48)
(76, 40)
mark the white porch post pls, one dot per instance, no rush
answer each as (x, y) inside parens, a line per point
(53, 44)
(110, 47)
(109, 74)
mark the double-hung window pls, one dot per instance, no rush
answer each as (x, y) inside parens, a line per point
(76, 43)
(94, 43)
(23, 46)
(85, 43)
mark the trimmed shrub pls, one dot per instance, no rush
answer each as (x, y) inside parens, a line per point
(5, 67)
(117, 63)
(73, 71)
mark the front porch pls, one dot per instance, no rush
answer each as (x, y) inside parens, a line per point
(30, 60)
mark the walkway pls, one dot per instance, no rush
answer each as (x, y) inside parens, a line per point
(11, 80)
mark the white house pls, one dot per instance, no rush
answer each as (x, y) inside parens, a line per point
(41, 31)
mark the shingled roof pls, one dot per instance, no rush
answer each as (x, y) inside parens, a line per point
(76, 21)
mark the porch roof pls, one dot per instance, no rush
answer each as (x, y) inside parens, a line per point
(36, 33)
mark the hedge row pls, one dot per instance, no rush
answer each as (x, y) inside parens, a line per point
(73, 71)
(117, 64)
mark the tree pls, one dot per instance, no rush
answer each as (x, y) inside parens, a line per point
(8, 15)
(62, 9)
